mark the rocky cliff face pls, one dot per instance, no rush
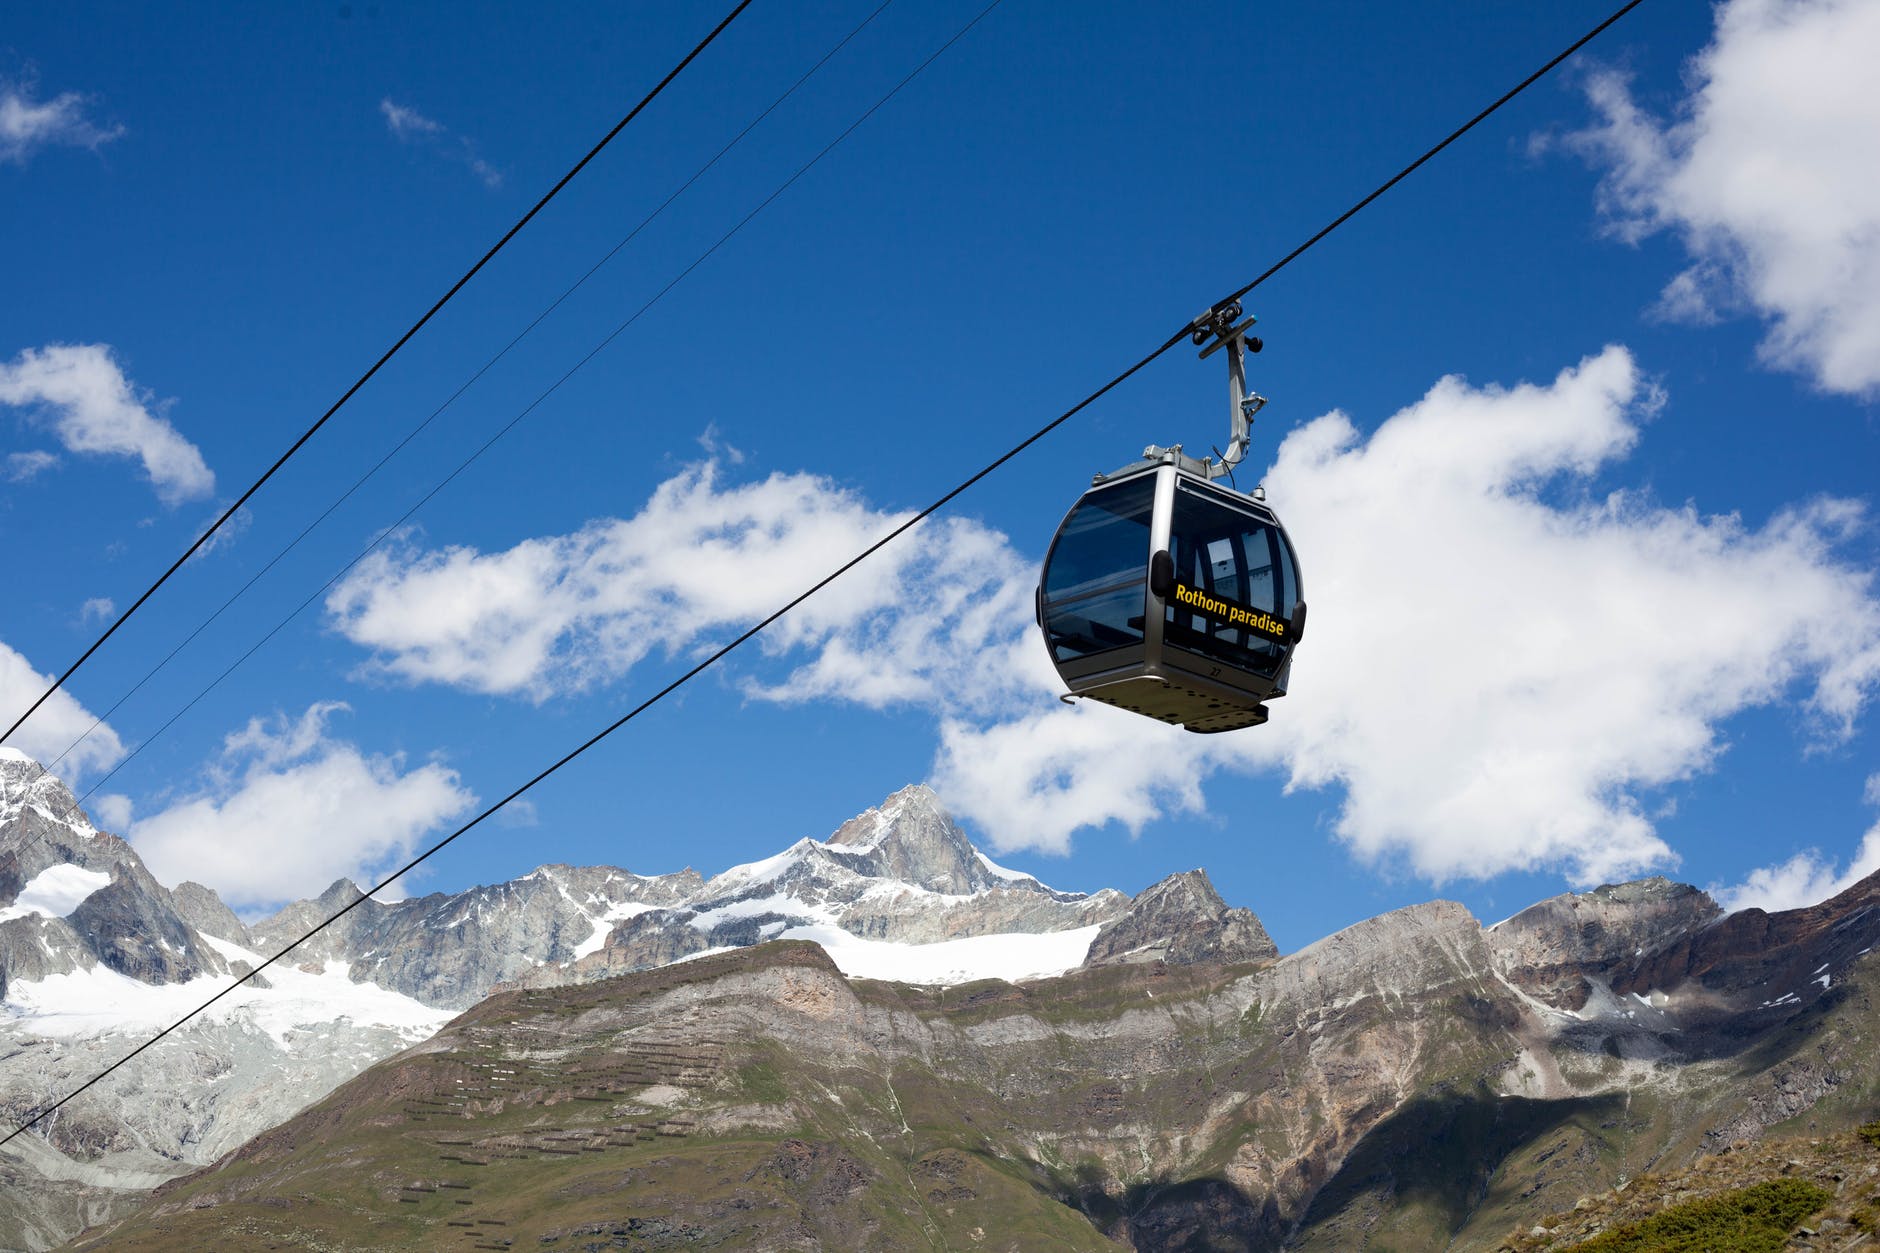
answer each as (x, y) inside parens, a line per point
(1552, 950)
(1751, 954)
(1182, 920)
(450, 950)
(80, 899)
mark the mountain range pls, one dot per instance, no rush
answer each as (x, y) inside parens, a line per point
(96, 956)
(885, 1040)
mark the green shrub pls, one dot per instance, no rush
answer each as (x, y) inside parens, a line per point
(1870, 1132)
(1756, 1219)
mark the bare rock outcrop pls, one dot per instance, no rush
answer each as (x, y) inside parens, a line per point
(202, 909)
(1551, 950)
(1184, 921)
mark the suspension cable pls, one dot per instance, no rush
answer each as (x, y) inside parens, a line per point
(388, 532)
(100, 719)
(826, 580)
(376, 365)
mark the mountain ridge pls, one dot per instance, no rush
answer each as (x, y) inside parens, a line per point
(1158, 1073)
(100, 951)
(1378, 1088)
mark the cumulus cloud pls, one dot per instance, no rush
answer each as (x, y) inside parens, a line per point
(1501, 665)
(287, 808)
(1496, 672)
(27, 125)
(97, 609)
(562, 613)
(55, 725)
(1805, 879)
(81, 393)
(409, 126)
(1808, 878)
(1034, 779)
(1761, 176)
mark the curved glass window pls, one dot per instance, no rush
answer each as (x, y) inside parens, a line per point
(1094, 574)
(1236, 582)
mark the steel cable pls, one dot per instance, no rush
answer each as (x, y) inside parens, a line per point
(389, 353)
(841, 570)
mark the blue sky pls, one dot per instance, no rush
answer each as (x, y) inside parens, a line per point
(1600, 604)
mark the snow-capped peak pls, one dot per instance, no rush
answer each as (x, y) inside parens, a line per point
(27, 787)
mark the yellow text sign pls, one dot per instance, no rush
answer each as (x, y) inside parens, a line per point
(1255, 620)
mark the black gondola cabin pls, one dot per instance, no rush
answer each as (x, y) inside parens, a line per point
(1173, 597)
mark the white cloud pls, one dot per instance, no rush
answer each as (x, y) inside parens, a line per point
(1033, 780)
(1803, 880)
(231, 531)
(97, 609)
(113, 810)
(408, 124)
(712, 440)
(83, 394)
(1768, 176)
(565, 612)
(412, 127)
(56, 724)
(1806, 878)
(1500, 667)
(1494, 677)
(27, 125)
(519, 813)
(23, 467)
(288, 809)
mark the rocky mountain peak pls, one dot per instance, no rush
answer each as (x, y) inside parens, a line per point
(1188, 889)
(202, 909)
(73, 898)
(1182, 920)
(1773, 960)
(36, 807)
(912, 837)
(340, 893)
(866, 828)
(1549, 950)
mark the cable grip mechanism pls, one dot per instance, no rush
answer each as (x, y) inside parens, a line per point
(1223, 325)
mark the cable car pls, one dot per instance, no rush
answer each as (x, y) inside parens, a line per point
(1170, 594)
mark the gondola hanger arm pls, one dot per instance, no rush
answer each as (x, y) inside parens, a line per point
(1223, 325)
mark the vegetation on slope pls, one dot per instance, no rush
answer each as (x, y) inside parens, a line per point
(1749, 1196)
(1756, 1219)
